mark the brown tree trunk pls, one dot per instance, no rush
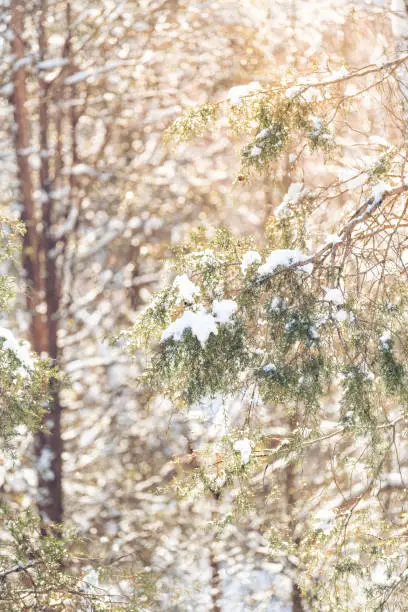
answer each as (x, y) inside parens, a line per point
(49, 439)
(215, 569)
(31, 260)
(297, 605)
(38, 255)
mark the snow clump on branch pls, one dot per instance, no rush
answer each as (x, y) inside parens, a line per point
(334, 296)
(187, 290)
(285, 258)
(201, 323)
(292, 197)
(223, 310)
(244, 448)
(238, 92)
(248, 259)
(20, 350)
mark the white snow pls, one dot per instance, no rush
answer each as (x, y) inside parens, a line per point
(25, 152)
(335, 296)
(23, 61)
(270, 367)
(293, 91)
(263, 134)
(57, 194)
(7, 89)
(20, 350)
(83, 75)
(255, 151)
(292, 197)
(79, 169)
(341, 315)
(44, 464)
(79, 76)
(339, 74)
(379, 140)
(152, 224)
(277, 304)
(186, 289)
(244, 447)
(91, 578)
(68, 224)
(380, 574)
(50, 64)
(285, 258)
(333, 239)
(248, 259)
(325, 519)
(223, 310)
(379, 190)
(317, 126)
(385, 340)
(367, 372)
(42, 196)
(236, 93)
(201, 324)
(212, 415)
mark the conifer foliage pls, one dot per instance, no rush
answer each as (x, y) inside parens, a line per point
(38, 570)
(310, 330)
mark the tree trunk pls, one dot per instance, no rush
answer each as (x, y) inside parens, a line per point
(49, 440)
(37, 253)
(31, 260)
(297, 605)
(215, 569)
(290, 485)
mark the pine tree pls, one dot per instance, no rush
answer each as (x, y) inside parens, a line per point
(308, 328)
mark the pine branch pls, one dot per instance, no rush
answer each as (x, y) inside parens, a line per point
(19, 567)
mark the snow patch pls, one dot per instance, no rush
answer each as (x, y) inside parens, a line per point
(80, 169)
(263, 134)
(223, 310)
(186, 289)
(255, 151)
(7, 89)
(44, 464)
(335, 296)
(292, 197)
(201, 324)
(90, 578)
(238, 92)
(248, 259)
(284, 258)
(341, 315)
(333, 239)
(379, 191)
(20, 350)
(385, 340)
(317, 126)
(50, 64)
(244, 448)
